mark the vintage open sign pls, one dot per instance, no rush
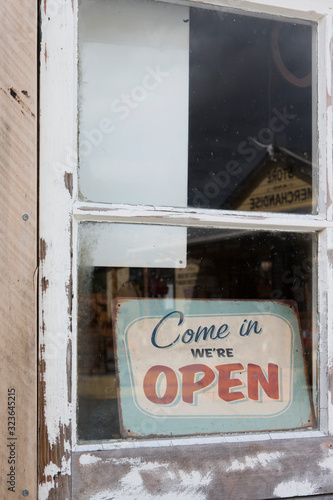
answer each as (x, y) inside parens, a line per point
(195, 366)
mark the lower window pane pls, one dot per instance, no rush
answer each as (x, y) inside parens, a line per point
(220, 338)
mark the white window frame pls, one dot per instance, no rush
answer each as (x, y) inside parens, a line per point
(65, 467)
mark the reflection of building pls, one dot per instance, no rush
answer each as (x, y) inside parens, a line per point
(282, 182)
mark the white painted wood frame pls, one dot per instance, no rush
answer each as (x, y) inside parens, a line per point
(271, 465)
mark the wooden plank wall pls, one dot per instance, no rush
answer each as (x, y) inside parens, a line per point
(275, 468)
(18, 255)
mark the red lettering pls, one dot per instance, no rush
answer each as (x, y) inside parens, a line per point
(149, 385)
(189, 386)
(255, 376)
(226, 382)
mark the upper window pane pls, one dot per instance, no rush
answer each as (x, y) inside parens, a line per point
(250, 140)
(195, 107)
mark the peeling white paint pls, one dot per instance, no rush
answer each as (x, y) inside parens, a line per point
(51, 471)
(295, 488)
(137, 462)
(89, 459)
(66, 466)
(124, 461)
(56, 97)
(67, 446)
(251, 462)
(144, 495)
(197, 217)
(56, 206)
(183, 485)
(189, 479)
(327, 463)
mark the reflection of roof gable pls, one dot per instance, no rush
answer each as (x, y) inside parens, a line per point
(214, 170)
(270, 159)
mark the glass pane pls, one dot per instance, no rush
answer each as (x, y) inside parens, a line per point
(185, 106)
(257, 273)
(250, 141)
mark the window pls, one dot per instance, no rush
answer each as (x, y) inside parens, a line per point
(187, 106)
(200, 99)
(195, 200)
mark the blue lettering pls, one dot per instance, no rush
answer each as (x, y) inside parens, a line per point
(202, 333)
(249, 327)
(205, 331)
(190, 334)
(153, 336)
(222, 332)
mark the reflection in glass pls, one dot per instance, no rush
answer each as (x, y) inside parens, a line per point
(221, 264)
(187, 106)
(250, 139)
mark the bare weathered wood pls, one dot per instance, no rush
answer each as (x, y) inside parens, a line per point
(18, 254)
(232, 471)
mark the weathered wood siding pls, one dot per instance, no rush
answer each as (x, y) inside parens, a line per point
(18, 237)
(228, 471)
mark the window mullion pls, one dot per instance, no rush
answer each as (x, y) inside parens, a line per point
(197, 217)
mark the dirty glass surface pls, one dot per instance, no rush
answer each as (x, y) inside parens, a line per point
(194, 107)
(250, 132)
(240, 265)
